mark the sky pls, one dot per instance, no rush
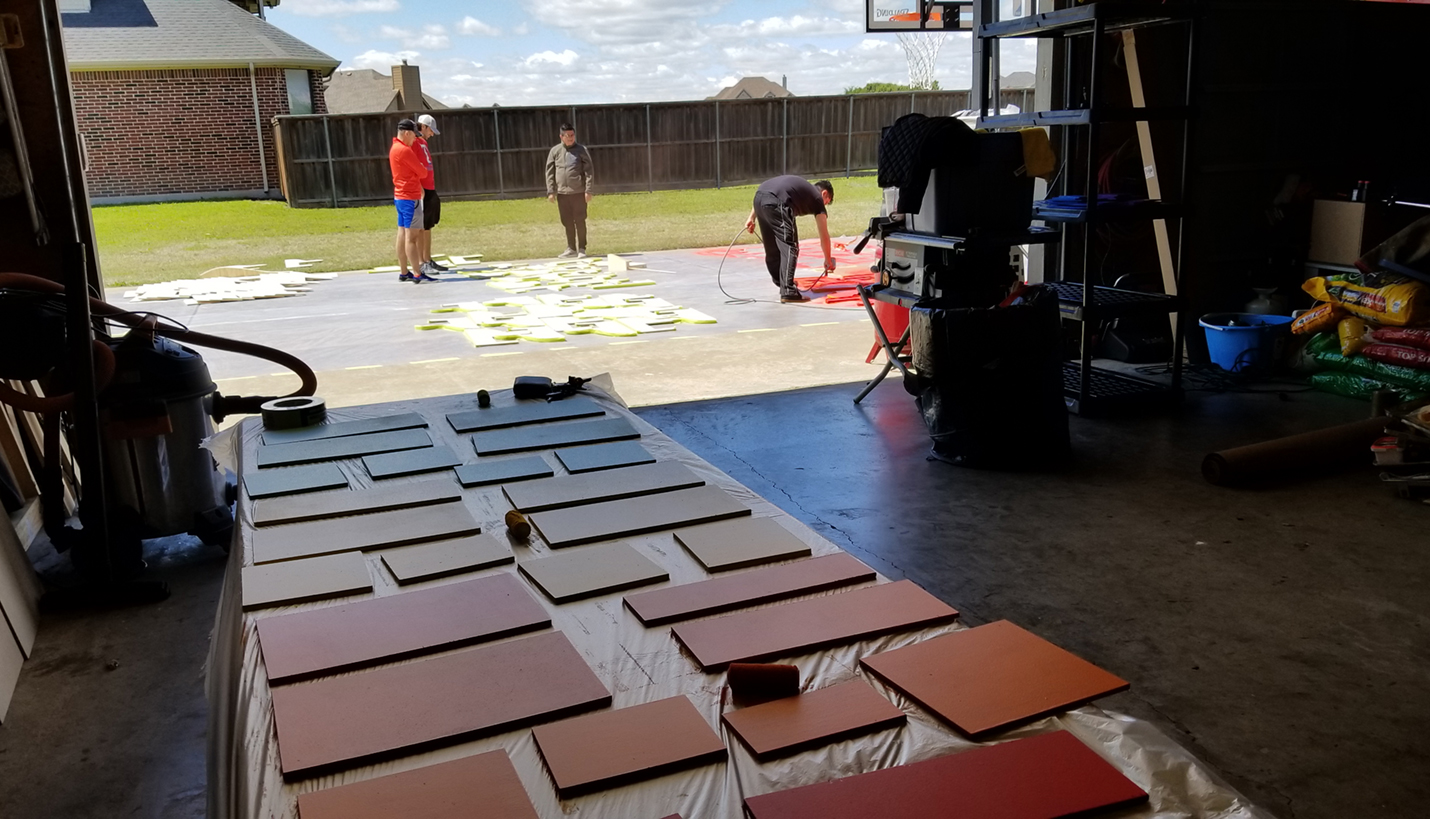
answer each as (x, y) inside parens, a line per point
(542, 52)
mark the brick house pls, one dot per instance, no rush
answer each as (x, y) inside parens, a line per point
(174, 98)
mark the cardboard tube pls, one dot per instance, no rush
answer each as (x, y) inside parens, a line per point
(1345, 445)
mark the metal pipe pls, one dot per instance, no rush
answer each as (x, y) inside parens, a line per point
(332, 175)
(717, 144)
(496, 129)
(784, 143)
(258, 122)
(849, 140)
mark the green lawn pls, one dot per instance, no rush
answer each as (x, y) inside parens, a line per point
(152, 243)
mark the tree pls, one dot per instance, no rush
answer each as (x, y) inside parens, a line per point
(886, 87)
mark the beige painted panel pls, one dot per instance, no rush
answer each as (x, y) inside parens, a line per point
(299, 581)
(10, 661)
(17, 599)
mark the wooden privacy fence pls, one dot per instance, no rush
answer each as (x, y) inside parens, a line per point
(500, 153)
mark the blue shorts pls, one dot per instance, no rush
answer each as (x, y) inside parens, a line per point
(409, 213)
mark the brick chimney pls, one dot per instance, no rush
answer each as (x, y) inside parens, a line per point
(407, 79)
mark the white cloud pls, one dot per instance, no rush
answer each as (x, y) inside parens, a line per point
(380, 60)
(796, 26)
(521, 29)
(565, 58)
(620, 21)
(472, 27)
(432, 37)
(340, 8)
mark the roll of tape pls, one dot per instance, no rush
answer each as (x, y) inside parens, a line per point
(291, 413)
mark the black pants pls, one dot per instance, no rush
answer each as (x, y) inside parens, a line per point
(573, 218)
(781, 238)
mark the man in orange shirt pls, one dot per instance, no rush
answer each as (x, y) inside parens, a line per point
(408, 171)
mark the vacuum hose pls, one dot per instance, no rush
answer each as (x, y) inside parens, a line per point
(104, 357)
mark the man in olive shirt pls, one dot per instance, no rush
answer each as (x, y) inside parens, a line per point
(569, 178)
(777, 203)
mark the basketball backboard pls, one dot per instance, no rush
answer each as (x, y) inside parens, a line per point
(906, 15)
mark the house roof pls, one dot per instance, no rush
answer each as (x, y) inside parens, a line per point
(752, 88)
(365, 91)
(155, 34)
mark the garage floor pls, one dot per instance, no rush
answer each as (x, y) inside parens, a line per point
(1280, 633)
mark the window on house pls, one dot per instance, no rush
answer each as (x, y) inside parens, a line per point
(300, 92)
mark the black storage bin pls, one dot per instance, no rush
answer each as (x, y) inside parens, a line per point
(986, 191)
(990, 384)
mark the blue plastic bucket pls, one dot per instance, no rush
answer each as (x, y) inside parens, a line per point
(1243, 341)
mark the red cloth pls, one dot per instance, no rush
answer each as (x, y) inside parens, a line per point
(407, 171)
(426, 155)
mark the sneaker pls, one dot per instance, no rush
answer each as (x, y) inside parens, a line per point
(423, 277)
(568, 253)
(581, 254)
(405, 277)
(439, 268)
(427, 269)
(793, 298)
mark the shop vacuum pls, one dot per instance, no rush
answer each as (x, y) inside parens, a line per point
(157, 405)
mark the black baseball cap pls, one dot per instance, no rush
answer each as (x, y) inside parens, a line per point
(406, 125)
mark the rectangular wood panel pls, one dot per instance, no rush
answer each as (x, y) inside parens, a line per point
(735, 544)
(485, 785)
(814, 718)
(426, 561)
(602, 750)
(523, 413)
(11, 661)
(734, 591)
(19, 601)
(329, 449)
(293, 480)
(342, 429)
(795, 628)
(410, 462)
(991, 677)
(1041, 777)
(299, 581)
(346, 721)
(501, 471)
(273, 511)
(362, 532)
(522, 439)
(604, 456)
(609, 567)
(632, 516)
(615, 484)
(382, 629)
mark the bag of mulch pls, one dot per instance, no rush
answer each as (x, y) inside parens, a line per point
(1404, 356)
(1351, 331)
(1358, 386)
(1404, 336)
(1318, 319)
(1325, 349)
(1380, 298)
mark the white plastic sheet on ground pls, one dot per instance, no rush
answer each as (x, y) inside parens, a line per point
(638, 665)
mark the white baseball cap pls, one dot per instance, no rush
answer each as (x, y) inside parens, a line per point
(426, 119)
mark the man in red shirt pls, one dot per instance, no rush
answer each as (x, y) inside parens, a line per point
(408, 172)
(431, 205)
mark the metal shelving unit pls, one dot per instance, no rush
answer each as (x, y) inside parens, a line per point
(1089, 389)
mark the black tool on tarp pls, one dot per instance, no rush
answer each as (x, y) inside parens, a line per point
(539, 386)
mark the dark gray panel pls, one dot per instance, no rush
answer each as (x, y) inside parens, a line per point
(523, 413)
(514, 469)
(342, 429)
(604, 456)
(294, 480)
(556, 435)
(328, 449)
(411, 461)
(576, 490)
